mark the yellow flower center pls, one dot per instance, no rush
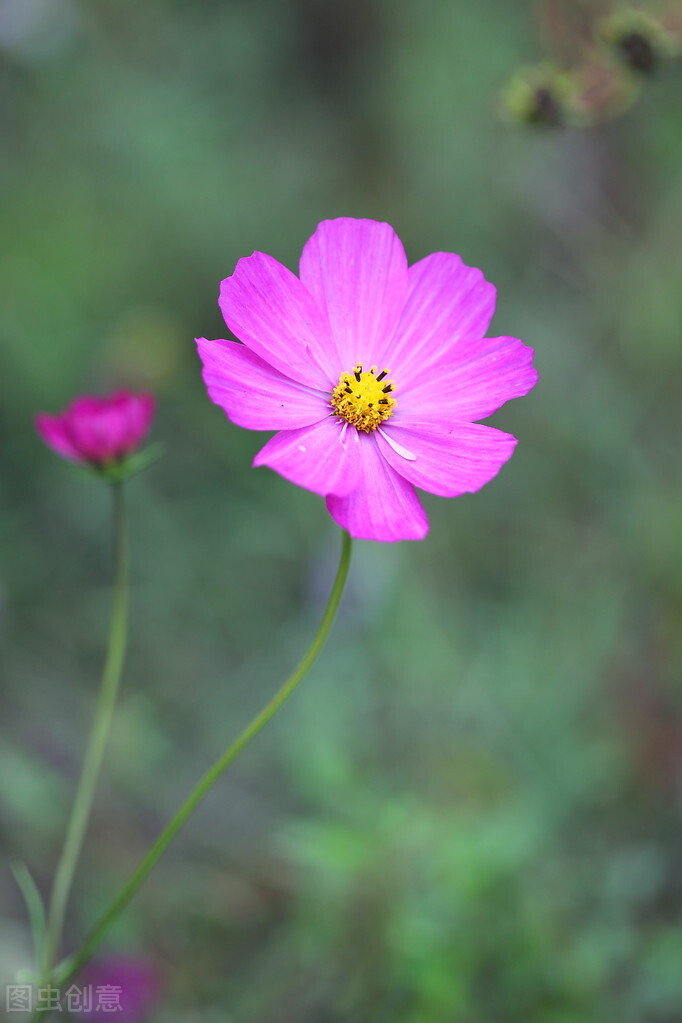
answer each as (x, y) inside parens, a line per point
(363, 399)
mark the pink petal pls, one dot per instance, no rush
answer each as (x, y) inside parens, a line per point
(473, 381)
(269, 309)
(97, 428)
(136, 414)
(357, 271)
(315, 457)
(447, 303)
(54, 432)
(142, 414)
(254, 394)
(384, 507)
(449, 458)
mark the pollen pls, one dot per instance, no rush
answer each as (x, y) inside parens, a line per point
(363, 398)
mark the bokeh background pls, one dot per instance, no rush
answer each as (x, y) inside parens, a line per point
(471, 809)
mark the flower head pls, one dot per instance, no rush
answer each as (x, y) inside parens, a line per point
(98, 431)
(541, 96)
(373, 373)
(638, 41)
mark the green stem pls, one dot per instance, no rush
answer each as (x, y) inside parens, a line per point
(74, 963)
(111, 677)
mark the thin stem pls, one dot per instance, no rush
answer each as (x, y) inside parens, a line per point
(74, 963)
(34, 905)
(101, 726)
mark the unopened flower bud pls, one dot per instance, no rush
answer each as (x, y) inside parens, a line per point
(539, 96)
(637, 40)
(100, 432)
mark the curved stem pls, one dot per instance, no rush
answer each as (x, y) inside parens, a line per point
(74, 963)
(111, 677)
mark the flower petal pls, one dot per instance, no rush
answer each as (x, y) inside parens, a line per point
(97, 427)
(319, 458)
(54, 432)
(449, 458)
(357, 271)
(475, 379)
(126, 418)
(384, 506)
(447, 302)
(254, 394)
(135, 413)
(269, 309)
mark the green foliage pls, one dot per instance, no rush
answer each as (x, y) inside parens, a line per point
(34, 908)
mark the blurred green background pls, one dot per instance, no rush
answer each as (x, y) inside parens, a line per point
(471, 809)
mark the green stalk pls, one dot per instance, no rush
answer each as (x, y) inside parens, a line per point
(111, 677)
(71, 966)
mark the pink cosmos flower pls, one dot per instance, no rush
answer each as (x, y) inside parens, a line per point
(98, 430)
(374, 373)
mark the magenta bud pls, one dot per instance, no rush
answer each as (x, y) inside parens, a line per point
(99, 432)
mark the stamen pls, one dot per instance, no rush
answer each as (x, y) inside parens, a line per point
(360, 400)
(382, 374)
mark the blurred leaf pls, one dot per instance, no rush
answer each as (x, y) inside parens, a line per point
(35, 907)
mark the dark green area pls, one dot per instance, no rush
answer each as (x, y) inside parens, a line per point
(470, 812)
